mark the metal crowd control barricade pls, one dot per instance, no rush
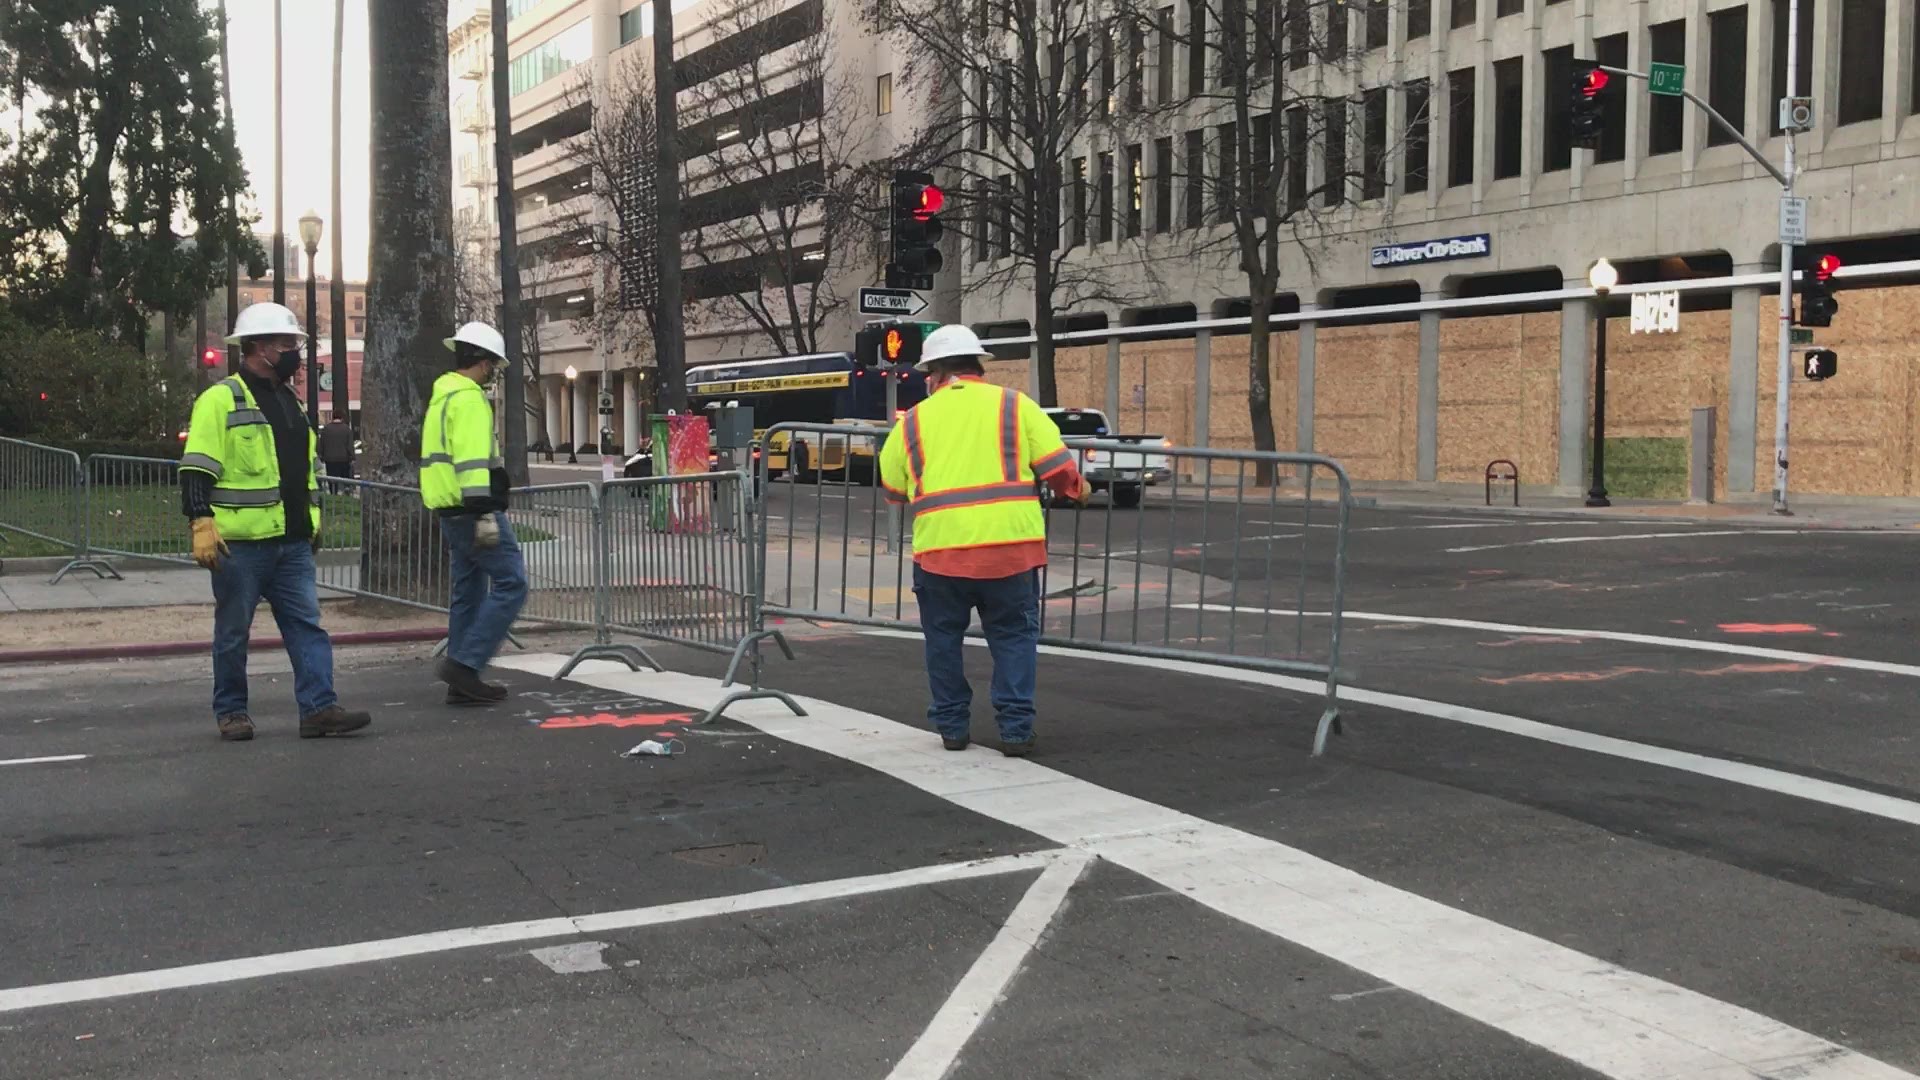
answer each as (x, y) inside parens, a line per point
(379, 541)
(561, 530)
(43, 497)
(1237, 559)
(680, 566)
(132, 509)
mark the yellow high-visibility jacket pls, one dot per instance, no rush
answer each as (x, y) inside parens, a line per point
(965, 461)
(230, 440)
(457, 453)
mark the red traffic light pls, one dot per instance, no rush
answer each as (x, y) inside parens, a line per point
(931, 200)
(892, 344)
(211, 358)
(1596, 81)
(1824, 267)
(43, 395)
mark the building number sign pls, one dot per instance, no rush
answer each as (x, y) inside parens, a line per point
(1655, 313)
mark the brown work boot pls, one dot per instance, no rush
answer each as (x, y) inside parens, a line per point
(235, 727)
(465, 687)
(333, 720)
(488, 694)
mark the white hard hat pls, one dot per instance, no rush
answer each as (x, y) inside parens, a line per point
(480, 336)
(948, 343)
(265, 319)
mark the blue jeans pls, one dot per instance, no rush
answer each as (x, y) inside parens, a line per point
(281, 573)
(1010, 615)
(479, 616)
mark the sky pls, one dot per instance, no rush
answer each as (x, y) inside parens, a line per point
(307, 36)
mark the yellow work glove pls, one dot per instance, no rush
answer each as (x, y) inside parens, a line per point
(1086, 492)
(207, 545)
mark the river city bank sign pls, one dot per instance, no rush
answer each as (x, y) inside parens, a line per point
(1479, 245)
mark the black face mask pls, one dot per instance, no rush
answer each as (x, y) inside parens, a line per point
(287, 364)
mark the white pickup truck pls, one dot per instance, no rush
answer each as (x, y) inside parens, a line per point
(1123, 476)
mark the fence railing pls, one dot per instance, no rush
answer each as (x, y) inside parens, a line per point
(1244, 565)
(1233, 558)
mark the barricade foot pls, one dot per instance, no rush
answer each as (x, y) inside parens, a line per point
(751, 695)
(631, 655)
(101, 568)
(748, 647)
(1329, 724)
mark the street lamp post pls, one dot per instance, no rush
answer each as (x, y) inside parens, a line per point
(310, 239)
(1603, 277)
(573, 407)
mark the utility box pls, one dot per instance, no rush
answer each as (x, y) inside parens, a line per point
(732, 427)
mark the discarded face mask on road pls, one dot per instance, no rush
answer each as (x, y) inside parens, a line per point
(656, 748)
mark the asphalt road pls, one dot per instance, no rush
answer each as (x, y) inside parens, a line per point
(1615, 798)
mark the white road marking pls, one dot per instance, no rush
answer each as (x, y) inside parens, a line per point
(1614, 1021)
(332, 956)
(934, 1054)
(45, 760)
(1754, 776)
(1450, 525)
(1364, 993)
(1634, 536)
(573, 958)
(1728, 648)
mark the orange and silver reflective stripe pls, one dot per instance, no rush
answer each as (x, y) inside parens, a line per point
(1009, 435)
(916, 453)
(973, 496)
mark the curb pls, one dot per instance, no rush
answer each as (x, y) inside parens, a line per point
(1760, 520)
(147, 650)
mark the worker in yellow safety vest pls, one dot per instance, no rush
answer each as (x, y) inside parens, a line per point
(464, 480)
(965, 461)
(248, 488)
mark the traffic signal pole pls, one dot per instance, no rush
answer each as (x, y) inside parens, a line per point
(1783, 377)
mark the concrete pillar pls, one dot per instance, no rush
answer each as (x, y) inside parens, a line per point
(1113, 384)
(1427, 453)
(551, 390)
(1576, 316)
(1303, 398)
(1202, 386)
(579, 426)
(1743, 381)
(630, 409)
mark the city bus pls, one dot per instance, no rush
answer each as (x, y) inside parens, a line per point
(822, 388)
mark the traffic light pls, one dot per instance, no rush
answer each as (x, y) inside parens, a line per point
(1821, 364)
(1817, 305)
(916, 230)
(210, 358)
(1587, 85)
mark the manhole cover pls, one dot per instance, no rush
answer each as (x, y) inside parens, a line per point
(743, 854)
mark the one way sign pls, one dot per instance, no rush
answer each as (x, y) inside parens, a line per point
(891, 302)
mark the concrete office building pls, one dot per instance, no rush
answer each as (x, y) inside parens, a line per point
(809, 58)
(1466, 103)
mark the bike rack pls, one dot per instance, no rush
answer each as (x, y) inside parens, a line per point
(1512, 475)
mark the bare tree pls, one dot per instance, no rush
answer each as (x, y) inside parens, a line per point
(1010, 86)
(1271, 74)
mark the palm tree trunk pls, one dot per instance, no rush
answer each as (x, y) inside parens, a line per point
(410, 277)
(338, 293)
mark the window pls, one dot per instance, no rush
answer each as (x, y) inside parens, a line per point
(1298, 158)
(1507, 109)
(1667, 116)
(1077, 76)
(1612, 51)
(1163, 70)
(1136, 188)
(1464, 12)
(1727, 72)
(1299, 32)
(551, 57)
(1419, 133)
(982, 209)
(883, 95)
(1378, 15)
(1263, 33)
(1863, 31)
(1260, 145)
(636, 24)
(1163, 184)
(1419, 18)
(1339, 26)
(517, 8)
(1803, 78)
(1196, 185)
(1460, 127)
(1136, 67)
(359, 301)
(1504, 8)
(1556, 143)
(1077, 221)
(1003, 228)
(982, 103)
(358, 327)
(1103, 201)
(1107, 87)
(1373, 144)
(1334, 192)
(1196, 48)
(1229, 158)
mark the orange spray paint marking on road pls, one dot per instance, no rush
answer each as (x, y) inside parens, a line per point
(1568, 676)
(1755, 669)
(604, 719)
(1768, 628)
